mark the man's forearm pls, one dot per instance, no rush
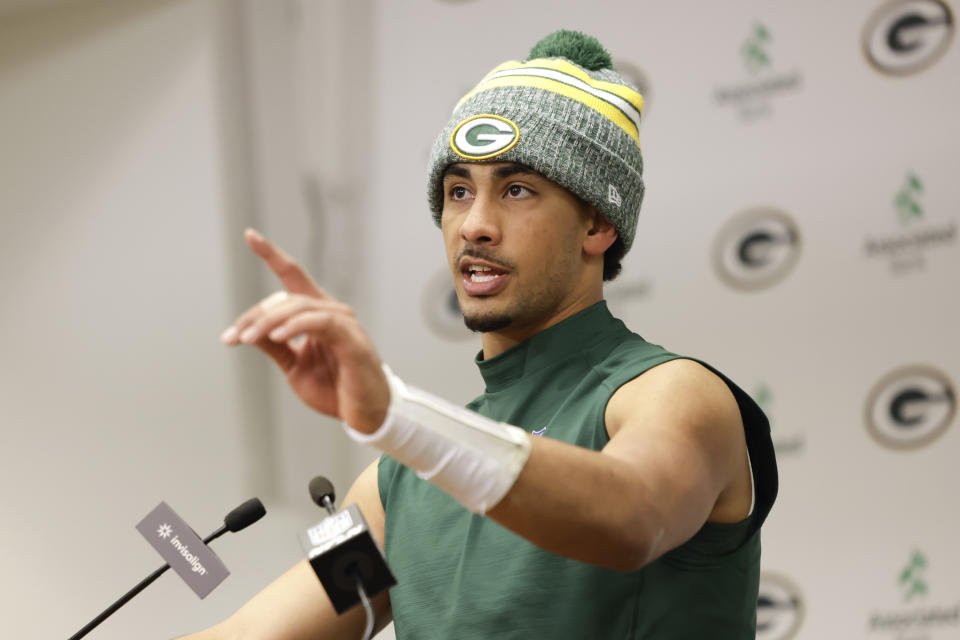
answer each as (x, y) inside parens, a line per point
(294, 607)
(581, 504)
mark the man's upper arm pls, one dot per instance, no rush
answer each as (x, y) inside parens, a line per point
(295, 606)
(680, 428)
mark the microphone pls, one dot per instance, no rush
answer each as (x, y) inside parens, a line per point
(321, 492)
(237, 520)
(343, 553)
(240, 518)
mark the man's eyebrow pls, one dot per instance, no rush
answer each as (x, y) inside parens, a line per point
(512, 169)
(456, 170)
(504, 171)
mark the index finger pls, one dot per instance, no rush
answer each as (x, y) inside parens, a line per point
(293, 277)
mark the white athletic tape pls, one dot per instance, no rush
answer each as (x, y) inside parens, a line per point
(473, 458)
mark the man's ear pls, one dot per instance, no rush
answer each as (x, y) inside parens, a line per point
(600, 235)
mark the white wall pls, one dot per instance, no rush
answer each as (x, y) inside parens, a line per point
(137, 139)
(124, 177)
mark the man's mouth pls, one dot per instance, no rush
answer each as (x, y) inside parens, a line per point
(482, 278)
(479, 273)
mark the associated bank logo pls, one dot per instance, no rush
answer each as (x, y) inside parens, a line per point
(754, 50)
(907, 36)
(911, 578)
(484, 136)
(910, 407)
(441, 309)
(756, 249)
(783, 443)
(915, 617)
(753, 96)
(907, 200)
(907, 248)
(779, 608)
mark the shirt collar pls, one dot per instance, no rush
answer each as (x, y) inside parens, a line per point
(550, 346)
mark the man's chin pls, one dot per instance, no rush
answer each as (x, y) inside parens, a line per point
(484, 323)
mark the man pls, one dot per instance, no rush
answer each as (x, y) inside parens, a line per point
(602, 487)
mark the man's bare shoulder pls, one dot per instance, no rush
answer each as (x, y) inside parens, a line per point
(683, 388)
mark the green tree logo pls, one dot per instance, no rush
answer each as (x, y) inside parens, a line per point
(911, 578)
(753, 50)
(906, 200)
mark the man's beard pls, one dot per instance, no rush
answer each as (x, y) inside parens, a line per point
(484, 323)
(532, 308)
(529, 306)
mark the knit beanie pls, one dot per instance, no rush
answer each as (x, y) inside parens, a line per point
(565, 113)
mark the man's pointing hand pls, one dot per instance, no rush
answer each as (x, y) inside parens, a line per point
(335, 368)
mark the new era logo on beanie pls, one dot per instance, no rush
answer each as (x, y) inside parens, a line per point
(613, 196)
(565, 113)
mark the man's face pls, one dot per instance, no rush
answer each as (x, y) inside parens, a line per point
(514, 243)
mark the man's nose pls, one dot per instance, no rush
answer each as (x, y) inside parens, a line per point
(482, 223)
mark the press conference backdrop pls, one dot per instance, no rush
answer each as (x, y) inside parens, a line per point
(799, 232)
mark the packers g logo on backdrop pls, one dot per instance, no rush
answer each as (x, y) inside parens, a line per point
(756, 248)
(779, 608)
(910, 407)
(907, 36)
(484, 136)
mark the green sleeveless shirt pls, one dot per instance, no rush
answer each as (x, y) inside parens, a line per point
(462, 575)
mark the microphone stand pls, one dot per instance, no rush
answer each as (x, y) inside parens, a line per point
(146, 582)
(364, 600)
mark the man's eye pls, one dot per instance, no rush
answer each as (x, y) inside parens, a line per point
(516, 190)
(458, 193)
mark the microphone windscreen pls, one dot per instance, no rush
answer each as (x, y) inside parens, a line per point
(245, 515)
(320, 487)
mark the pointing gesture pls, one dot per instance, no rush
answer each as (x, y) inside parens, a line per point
(335, 369)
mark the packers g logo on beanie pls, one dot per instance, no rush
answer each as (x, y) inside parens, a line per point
(484, 136)
(564, 113)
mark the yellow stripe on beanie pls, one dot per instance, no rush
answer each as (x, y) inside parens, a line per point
(618, 103)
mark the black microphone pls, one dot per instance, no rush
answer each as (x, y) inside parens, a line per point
(321, 492)
(238, 519)
(343, 553)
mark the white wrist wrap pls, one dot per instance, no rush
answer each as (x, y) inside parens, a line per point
(473, 458)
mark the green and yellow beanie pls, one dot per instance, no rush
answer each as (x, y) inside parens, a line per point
(565, 113)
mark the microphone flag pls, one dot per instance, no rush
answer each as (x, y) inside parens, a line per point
(342, 551)
(183, 550)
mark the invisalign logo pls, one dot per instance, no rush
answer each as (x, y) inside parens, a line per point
(191, 559)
